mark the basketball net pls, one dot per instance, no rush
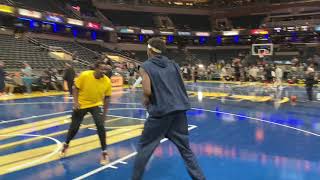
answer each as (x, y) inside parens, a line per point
(263, 54)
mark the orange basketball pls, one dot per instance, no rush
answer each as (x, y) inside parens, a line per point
(293, 98)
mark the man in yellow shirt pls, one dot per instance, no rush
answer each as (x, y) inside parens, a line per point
(91, 90)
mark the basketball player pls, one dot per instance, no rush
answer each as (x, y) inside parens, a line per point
(91, 90)
(166, 100)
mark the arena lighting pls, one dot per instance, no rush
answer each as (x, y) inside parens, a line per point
(230, 33)
(317, 28)
(54, 19)
(170, 39)
(259, 32)
(166, 32)
(141, 38)
(25, 12)
(201, 66)
(147, 31)
(236, 39)
(75, 22)
(106, 28)
(206, 34)
(25, 19)
(93, 25)
(45, 22)
(182, 33)
(54, 25)
(219, 40)
(277, 29)
(290, 29)
(6, 9)
(304, 28)
(93, 35)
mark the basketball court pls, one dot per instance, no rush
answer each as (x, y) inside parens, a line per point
(237, 131)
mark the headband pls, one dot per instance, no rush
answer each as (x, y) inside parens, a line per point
(154, 49)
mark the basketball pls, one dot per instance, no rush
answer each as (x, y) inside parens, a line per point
(293, 98)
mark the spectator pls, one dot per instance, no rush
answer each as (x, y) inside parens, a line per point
(68, 77)
(27, 77)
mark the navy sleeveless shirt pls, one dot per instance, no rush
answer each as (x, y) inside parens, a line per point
(168, 91)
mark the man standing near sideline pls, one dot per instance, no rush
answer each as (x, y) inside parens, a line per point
(166, 100)
(92, 89)
(310, 81)
(69, 76)
(2, 78)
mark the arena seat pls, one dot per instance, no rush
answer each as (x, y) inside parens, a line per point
(14, 51)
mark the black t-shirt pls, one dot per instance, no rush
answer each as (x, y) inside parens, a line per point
(2, 78)
(131, 71)
(69, 74)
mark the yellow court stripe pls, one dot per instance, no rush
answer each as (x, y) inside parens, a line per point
(31, 125)
(253, 98)
(13, 144)
(76, 147)
(284, 100)
(130, 127)
(32, 95)
(41, 94)
(15, 157)
(37, 128)
(17, 143)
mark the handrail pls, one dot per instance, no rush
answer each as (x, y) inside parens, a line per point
(118, 53)
(56, 48)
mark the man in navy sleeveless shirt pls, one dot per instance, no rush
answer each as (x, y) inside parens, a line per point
(166, 100)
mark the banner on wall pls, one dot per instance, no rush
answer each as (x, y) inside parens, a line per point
(93, 25)
(166, 33)
(117, 81)
(28, 13)
(259, 32)
(106, 28)
(6, 9)
(147, 31)
(75, 22)
(54, 18)
(126, 30)
(230, 33)
(183, 33)
(206, 34)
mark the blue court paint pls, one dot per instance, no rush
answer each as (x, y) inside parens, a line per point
(234, 140)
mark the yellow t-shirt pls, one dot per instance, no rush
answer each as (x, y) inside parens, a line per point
(91, 90)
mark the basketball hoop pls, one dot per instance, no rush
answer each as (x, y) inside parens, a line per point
(262, 50)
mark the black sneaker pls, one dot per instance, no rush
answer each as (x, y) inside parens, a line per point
(64, 149)
(104, 158)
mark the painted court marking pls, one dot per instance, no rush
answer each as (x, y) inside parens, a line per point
(59, 145)
(32, 117)
(190, 128)
(56, 102)
(57, 113)
(119, 161)
(122, 160)
(257, 119)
